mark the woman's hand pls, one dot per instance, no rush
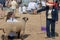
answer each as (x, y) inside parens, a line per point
(56, 22)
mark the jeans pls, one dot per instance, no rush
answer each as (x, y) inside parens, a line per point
(50, 32)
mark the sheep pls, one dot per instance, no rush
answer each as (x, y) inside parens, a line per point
(16, 27)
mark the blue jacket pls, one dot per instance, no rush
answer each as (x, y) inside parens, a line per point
(54, 12)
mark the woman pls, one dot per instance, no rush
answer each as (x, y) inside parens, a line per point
(51, 18)
(11, 17)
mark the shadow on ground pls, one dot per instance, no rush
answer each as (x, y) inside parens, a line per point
(56, 34)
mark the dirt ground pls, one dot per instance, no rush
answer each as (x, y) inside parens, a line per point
(33, 27)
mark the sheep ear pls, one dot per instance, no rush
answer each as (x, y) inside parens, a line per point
(25, 18)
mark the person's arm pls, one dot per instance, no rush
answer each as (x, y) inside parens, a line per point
(56, 15)
(40, 10)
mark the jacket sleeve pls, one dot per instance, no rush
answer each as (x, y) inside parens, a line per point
(56, 15)
(40, 10)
